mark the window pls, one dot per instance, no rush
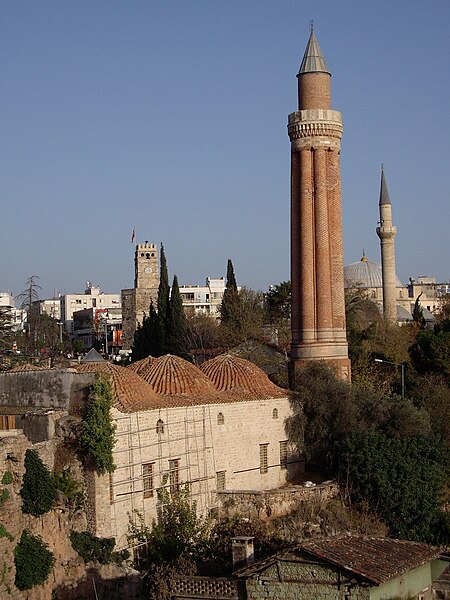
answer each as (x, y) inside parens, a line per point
(159, 426)
(174, 475)
(275, 413)
(283, 455)
(147, 479)
(220, 419)
(220, 480)
(263, 465)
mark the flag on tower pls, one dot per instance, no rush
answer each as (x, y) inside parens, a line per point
(132, 236)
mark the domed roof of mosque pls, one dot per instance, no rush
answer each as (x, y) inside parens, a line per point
(141, 365)
(174, 377)
(365, 274)
(240, 377)
(130, 392)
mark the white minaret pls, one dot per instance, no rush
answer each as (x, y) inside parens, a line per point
(387, 232)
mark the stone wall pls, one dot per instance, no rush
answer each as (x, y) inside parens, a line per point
(270, 504)
(205, 440)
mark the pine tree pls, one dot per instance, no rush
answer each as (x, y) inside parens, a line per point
(177, 332)
(149, 338)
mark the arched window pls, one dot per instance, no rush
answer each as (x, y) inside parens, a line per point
(220, 419)
(374, 294)
(275, 413)
(160, 426)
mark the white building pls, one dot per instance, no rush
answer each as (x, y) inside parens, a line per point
(206, 299)
(93, 297)
(17, 316)
(50, 307)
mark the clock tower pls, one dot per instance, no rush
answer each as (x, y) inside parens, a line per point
(146, 266)
(136, 301)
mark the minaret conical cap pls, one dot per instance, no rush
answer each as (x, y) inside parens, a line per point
(313, 60)
(384, 194)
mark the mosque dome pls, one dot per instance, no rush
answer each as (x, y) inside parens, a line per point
(365, 274)
(240, 377)
(181, 380)
(130, 392)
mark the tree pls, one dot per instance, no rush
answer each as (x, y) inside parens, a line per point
(417, 313)
(163, 290)
(177, 327)
(7, 338)
(203, 336)
(431, 351)
(403, 479)
(38, 489)
(97, 434)
(230, 300)
(26, 299)
(278, 303)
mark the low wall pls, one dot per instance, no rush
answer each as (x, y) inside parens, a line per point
(270, 504)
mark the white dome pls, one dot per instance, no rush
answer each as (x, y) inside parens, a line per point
(365, 274)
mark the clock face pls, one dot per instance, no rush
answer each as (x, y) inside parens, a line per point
(147, 270)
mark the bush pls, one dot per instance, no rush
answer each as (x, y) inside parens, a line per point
(33, 561)
(95, 549)
(70, 487)
(4, 533)
(38, 489)
(4, 496)
(97, 436)
(7, 478)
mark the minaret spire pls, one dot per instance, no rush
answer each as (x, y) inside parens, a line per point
(317, 269)
(387, 232)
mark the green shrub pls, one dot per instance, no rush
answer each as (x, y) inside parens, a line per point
(70, 487)
(97, 436)
(4, 495)
(33, 561)
(38, 489)
(4, 533)
(7, 478)
(95, 549)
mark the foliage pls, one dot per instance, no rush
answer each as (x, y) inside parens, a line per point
(323, 413)
(203, 335)
(70, 487)
(245, 318)
(417, 313)
(4, 533)
(177, 531)
(149, 337)
(96, 549)
(38, 489)
(4, 496)
(7, 338)
(432, 394)
(177, 327)
(77, 346)
(278, 302)
(431, 351)
(97, 435)
(7, 478)
(443, 309)
(402, 479)
(230, 296)
(33, 561)
(163, 291)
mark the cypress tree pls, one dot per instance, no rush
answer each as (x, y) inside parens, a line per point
(163, 290)
(149, 338)
(230, 301)
(177, 324)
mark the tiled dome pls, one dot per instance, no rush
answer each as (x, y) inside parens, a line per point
(175, 377)
(241, 378)
(365, 274)
(141, 365)
(130, 392)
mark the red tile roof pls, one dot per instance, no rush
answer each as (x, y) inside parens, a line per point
(130, 392)
(179, 382)
(141, 365)
(240, 378)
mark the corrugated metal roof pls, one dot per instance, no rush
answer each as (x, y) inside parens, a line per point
(313, 60)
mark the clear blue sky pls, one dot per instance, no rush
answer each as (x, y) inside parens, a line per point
(170, 117)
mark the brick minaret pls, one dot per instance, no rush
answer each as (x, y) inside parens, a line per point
(317, 269)
(387, 232)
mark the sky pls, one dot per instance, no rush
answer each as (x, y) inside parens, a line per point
(170, 117)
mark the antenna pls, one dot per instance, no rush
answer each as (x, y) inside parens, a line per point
(311, 25)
